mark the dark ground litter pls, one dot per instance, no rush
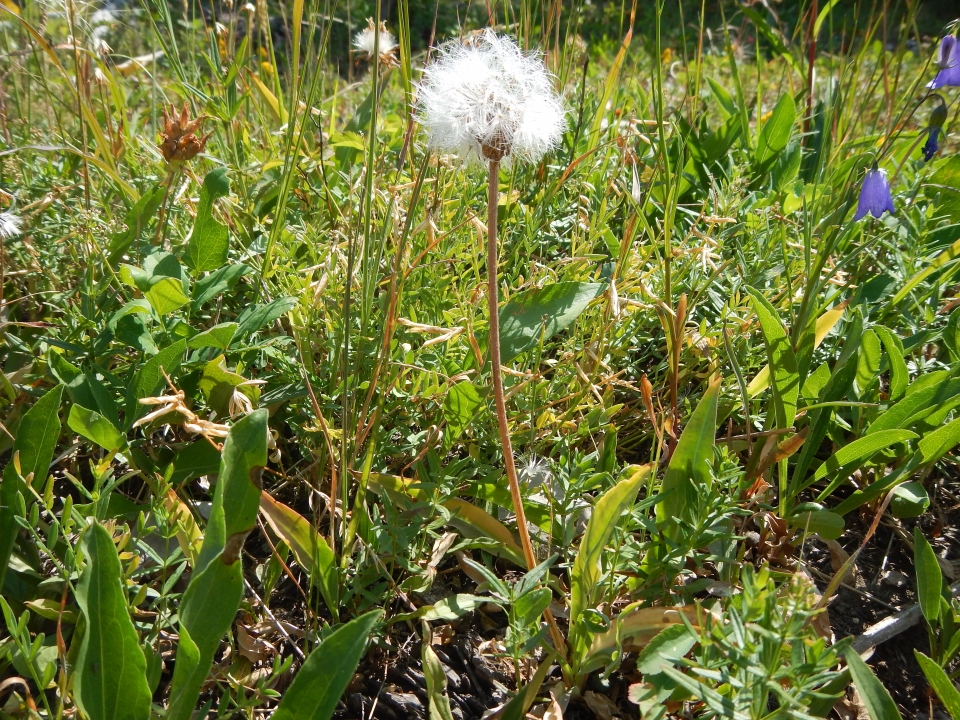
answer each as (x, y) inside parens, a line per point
(884, 584)
(391, 686)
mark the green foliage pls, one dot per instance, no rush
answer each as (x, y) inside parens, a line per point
(702, 348)
(315, 691)
(110, 675)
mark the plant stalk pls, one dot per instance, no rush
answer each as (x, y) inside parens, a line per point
(498, 396)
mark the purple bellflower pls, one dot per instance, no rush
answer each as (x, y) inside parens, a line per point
(948, 60)
(937, 118)
(875, 195)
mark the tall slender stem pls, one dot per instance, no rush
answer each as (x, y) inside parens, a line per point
(498, 396)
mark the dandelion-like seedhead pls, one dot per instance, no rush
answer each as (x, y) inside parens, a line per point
(365, 41)
(484, 99)
(10, 225)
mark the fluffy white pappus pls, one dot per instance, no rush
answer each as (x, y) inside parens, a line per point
(484, 99)
(10, 225)
(365, 40)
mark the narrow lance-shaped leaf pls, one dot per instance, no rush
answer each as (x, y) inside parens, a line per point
(585, 576)
(110, 680)
(216, 587)
(690, 465)
(34, 445)
(929, 577)
(311, 550)
(318, 685)
(876, 697)
(782, 358)
(941, 684)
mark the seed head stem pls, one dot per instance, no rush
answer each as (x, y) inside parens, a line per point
(498, 395)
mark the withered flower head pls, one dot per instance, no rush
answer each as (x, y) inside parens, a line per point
(179, 141)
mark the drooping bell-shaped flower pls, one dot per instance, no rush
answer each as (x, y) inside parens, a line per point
(948, 62)
(875, 197)
(937, 118)
(485, 99)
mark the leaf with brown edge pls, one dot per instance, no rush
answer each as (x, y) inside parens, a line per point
(311, 550)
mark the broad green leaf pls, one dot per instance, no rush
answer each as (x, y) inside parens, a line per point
(196, 459)
(218, 282)
(853, 455)
(33, 447)
(439, 703)
(219, 384)
(868, 364)
(670, 644)
(318, 685)
(929, 577)
(109, 680)
(149, 379)
(216, 587)
(257, 316)
(876, 698)
(37, 435)
(690, 465)
(453, 607)
(775, 133)
(782, 359)
(530, 606)
(935, 445)
(95, 428)
(586, 572)
(941, 684)
(209, 241)
(826, 524)
(166, 295)
(219, 336)
(308, 546)
(133, 307)
(137, 218)
(899, 376)
(460, 406)
(542, 312)
(909, 500)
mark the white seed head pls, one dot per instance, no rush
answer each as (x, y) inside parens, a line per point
(484, 99)
(10, 225)
(365, 40)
